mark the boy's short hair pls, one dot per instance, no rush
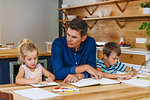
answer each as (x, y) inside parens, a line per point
(110, 47)
(79, 25)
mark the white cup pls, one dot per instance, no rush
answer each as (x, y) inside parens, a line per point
(99, 0)
(101, 13)
(64, 6)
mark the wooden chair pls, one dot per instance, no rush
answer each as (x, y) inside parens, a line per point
(6, 96)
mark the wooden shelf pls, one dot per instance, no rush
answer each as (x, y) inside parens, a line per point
(112, 17)
(97, 4)
(122, 9)
(116, 18)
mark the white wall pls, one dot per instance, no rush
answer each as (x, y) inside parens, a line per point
(32, 19)
(78, 2)
(53, 28)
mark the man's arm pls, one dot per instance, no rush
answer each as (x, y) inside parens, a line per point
(91, 63)
(60, 71)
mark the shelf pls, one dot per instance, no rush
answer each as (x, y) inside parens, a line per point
(122, 9)
(112, 17)
(116, 18)
(97, 4)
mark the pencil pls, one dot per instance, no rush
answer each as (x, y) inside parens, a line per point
(37, 74)
(130, 69)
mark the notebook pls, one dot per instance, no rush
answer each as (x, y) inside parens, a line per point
(91, 81)
(36, 93)
(43, 84)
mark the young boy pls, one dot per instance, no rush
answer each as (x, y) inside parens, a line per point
(109, 65)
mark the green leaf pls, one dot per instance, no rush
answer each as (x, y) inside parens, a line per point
(149, 24)
(142, 5)
(148, 31)
(145, 5)
(143, 26)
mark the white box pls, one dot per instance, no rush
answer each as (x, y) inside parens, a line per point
(140, 40)
(49, 46)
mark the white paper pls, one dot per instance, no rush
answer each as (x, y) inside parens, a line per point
(43, 84)
(91, 81)
(36, 93)
(137, 82)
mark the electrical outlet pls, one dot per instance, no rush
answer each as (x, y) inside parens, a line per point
(140, 40)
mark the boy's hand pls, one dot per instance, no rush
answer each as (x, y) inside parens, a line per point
(125, 76)
(131, 73)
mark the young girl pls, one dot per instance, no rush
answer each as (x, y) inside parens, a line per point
(30, 71)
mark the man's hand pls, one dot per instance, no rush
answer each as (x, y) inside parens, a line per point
(100, 76)
(71, 78)
(94, 73)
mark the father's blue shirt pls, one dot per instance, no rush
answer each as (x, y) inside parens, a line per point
(65, 59)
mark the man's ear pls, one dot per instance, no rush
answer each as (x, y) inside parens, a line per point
(84, 37)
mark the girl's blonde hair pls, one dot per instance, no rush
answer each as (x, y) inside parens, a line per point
(26, 46)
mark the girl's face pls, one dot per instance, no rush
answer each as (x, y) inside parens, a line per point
(31, 59)
(112, 59)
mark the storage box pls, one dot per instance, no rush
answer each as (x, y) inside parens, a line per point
(49, 46)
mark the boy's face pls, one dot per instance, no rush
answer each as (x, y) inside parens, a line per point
(112, 59)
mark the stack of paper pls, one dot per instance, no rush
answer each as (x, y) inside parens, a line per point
(91, 81)
(36, 93)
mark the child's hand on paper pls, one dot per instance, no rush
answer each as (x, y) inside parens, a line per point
(125, 76)
(37, 79)
(131, 73)
(50, 79)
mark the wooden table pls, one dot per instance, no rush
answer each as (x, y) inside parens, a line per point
(105, 92)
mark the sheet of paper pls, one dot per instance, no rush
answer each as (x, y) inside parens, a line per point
(36, 93)
(137, 82)
(42, 84)
(91, 81)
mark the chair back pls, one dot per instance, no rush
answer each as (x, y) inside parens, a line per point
(6, 96)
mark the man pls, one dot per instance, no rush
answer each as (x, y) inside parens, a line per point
(74, 55)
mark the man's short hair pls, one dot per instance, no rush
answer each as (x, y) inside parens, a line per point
(110, 47)
(79, 25)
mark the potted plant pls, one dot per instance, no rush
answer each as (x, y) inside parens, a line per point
(146, 26)
(146, 7)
